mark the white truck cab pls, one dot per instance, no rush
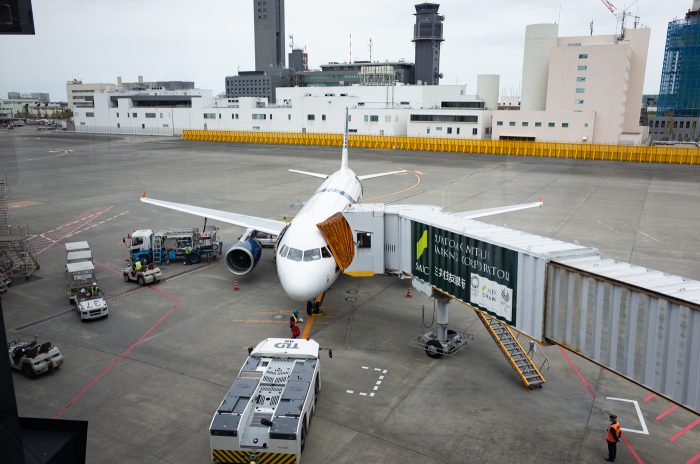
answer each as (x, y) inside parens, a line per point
(266, 413)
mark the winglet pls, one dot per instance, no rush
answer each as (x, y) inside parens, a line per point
(143, 195)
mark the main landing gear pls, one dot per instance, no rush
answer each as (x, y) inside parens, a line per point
(314, 306)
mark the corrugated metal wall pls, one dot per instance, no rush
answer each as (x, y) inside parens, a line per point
(648, 337)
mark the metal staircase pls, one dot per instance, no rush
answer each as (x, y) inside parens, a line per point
(157, 248)
(517, 357)
(16, 255)
(3, 203)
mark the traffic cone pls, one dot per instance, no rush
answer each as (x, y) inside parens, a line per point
(235, 286)
(409, 293)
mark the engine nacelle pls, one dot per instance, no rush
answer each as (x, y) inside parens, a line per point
(242, 257)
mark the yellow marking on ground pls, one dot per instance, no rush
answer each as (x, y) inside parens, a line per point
(259, 321)
(418, 180)
(289, 312)
(359, 274)
(307, 327)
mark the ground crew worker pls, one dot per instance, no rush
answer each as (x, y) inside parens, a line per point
(294, 323)
(82, 293)
(137, 265)
(188, 250)
(612, 436)
(94, 289)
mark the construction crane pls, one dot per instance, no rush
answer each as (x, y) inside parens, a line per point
(621, 17)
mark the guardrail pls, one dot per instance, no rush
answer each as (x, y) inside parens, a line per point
(630, 153)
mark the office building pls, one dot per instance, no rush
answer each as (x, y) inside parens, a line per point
(262, 84)
(357, 73)
(298, 60)
(81, 94)
(268, 24)
(592, 92)
(427, 35)
(678, 110)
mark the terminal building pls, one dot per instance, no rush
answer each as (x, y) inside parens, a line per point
(678, 107)
(82, 95)
(432, 111)
(579, 89)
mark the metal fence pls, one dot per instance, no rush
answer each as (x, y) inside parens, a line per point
(132, 130)
(630, 153)
(647, 336)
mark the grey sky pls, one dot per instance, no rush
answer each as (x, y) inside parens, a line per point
(204, 41)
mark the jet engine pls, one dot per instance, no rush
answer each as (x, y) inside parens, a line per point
(243, 256)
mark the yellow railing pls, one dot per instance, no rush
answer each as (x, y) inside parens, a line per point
(639, 154)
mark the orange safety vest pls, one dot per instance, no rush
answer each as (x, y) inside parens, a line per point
(618, 433)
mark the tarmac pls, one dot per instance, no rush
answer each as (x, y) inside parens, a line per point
(149, 378)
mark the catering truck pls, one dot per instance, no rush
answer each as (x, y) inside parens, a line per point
(266, 413)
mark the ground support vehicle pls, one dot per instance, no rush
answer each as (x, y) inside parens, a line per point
(77, 246)
(78, 256)
(91, 306)
(167, 245)
(265, 415)
(33, 358)
(84, 292)
(148, 274)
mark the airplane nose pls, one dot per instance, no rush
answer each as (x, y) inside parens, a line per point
(300, 284)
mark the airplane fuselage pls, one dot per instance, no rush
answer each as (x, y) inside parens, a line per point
(304, 264)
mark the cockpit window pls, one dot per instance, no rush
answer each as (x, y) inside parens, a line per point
(312, 255)
(325, 253)
(283, 250)
(294, 254)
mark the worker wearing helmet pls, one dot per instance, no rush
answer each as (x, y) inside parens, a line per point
(294, 323)
(94, 289)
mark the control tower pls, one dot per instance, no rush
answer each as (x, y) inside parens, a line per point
(427, 35)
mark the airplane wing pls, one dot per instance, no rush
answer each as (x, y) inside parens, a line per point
(381, 174)
(502, 209)
(269, 226)
(312, 174)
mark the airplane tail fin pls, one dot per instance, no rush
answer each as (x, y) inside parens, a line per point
(344, 160)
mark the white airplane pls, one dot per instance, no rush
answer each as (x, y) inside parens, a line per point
(305, 265)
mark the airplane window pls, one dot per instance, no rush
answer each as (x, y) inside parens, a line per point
(312, 255)
(283, 251)
(325, 252)
(294, 254)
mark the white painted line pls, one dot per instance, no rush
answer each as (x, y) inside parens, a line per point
(384, 371)
(371, 394)
(349, 391)
(379, 382)
(363, 394)
(648, 236)
(644, 430)
(606, 225)
(375, 388)
(381, 377)
(365, 367)
(377, 369)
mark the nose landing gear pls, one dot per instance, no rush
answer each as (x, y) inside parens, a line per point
(314, 306)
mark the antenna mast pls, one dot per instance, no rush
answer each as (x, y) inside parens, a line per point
(371, 44)
(351, 47)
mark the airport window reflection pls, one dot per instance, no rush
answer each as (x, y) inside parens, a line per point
(364, 240)
(294, 254)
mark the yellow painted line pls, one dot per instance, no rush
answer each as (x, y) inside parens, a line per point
(400, 191)
(360, 274)
(307, 327)
(257, 321)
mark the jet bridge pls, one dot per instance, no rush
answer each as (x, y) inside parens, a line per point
(642, 324)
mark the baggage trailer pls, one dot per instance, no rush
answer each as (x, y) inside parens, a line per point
(78, 256)
(265, 416)
(77, 246)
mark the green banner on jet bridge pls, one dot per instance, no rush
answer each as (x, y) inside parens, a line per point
(478, 273)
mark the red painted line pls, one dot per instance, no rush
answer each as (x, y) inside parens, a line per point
(578, 373)
(58, 414)
(648, 397)
(694, 459)
(667, 412)
(592, 393)
(688, 428)
(632, 450)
